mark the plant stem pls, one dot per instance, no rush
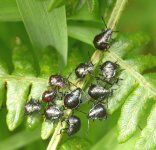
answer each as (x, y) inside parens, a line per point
(96, 58)
(55, 138)
(53, 144)
(116, 13)
(114, 18)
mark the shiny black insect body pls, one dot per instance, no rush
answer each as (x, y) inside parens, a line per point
(73, 99)
(32, 106)
(49, 96)
(74, 124)
(53, 113)
(83, 69)
(98, 92)
(58, 81)
(109, 70)
(97, 112)
(102, 40)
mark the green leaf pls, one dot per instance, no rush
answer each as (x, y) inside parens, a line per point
(25, 82)
(48, 62)
(54, 4)
(16, 99)
(20, 139)
(151, 78)
(132, 77)
(136, 94)
(148, 135)
(78, 11)
(18, 91)
(83, 14)
(83, 33)
(74, 7)
(45, 28)
(9, 11)
(20, 51)
(47, 130)
(91, 5)
(128, 83)
(131, 113)
(19, 85)
(76, 144)
(109, 141)
(28, 81)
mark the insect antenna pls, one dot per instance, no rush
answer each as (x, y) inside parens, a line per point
(69, 76)
(81, 111)
(104, 22)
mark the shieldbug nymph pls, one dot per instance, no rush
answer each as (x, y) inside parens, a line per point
(74, 124)
(49, 96)
(83, 69)
(32, 106)
(97, 112)
(101, 41)
(58, 81)
(53, 113)
(72, 99)
(98, 92)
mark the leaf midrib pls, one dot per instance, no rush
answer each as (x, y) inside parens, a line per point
(138, 77)
(23, 78)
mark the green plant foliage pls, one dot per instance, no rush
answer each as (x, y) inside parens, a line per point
(130, 88)
(9, 11)
(55, 3)
(24, 137)
(21, 88)
(147, 139)
(24, 73)
(91, 5)
(134, 89)
(52, 23)
(76, 144)
(134, 84)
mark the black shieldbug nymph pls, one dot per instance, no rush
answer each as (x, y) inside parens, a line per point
(97, 112)
(53, 113)
(32, 106)
(98, 92)
(58, 81)
(74, 124)
(101, 41)
(73, 99)
(49, 96)
(109, 70)
(83, 69)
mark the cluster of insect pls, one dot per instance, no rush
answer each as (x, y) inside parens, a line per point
(60, 89)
